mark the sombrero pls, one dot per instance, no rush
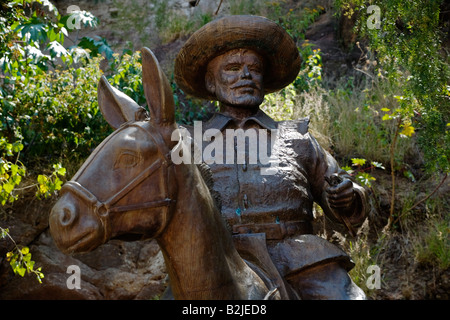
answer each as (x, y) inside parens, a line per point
(278, 49)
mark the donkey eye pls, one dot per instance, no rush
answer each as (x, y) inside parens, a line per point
(127, 159)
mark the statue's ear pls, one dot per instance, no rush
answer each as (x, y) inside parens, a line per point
(210, 83)
(157, 90)
(116, 107)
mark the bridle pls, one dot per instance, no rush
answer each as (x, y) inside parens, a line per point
(102, 209)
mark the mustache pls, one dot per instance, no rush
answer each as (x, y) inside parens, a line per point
(244, 84)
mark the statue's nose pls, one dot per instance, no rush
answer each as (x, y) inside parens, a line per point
(246, 73)
(64, 214)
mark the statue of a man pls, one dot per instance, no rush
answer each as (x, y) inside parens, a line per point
(237, 60)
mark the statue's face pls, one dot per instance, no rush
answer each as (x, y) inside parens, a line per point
(236, 78)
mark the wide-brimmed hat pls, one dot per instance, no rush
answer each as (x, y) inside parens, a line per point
(262, 35)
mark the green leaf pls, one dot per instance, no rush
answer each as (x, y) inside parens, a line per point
(85, 18)
(9, 255)
(14, 169)
(103, 47)
(20, 271)
(57, 50)
(9, 148)
(8, 187)
(59, 169)
(348, 169)
(358, 162)
(43, 189)
(52, 35)
(35, 28)
(58, 184)
(17, 147)
(30, 264)
(408, 130)
(88, 43)
(36, 54)
(42, 180)
(365, 179)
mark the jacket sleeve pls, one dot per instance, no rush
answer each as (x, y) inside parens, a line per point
(318, 163)
(327, 166)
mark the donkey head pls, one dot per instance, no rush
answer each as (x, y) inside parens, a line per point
(126, 186)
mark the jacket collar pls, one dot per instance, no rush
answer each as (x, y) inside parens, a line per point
(221, 121)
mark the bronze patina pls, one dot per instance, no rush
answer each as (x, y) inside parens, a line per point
(227, 229)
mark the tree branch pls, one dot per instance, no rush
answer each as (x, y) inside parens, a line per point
(424, 199)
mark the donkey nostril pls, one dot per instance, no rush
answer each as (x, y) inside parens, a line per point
(67, 216)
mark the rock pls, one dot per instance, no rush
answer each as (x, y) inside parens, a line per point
(337, 59)
(113, 271)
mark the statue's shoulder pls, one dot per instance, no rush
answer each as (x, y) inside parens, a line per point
(301, 125)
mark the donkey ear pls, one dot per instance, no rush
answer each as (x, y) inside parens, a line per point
(157, 90)
(116, 107)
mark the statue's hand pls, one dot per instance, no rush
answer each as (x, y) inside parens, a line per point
(341, 196)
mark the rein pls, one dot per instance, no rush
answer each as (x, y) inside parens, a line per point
(102, 209)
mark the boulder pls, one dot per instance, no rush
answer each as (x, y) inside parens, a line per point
(115, 270)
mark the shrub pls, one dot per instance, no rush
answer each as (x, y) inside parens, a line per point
(407, 43)
(57, 112)
(47, 109)
(49, 105)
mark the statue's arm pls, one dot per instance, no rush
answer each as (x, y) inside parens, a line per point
(343, 197)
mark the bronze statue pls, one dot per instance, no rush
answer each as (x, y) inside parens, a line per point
(236, 60)
(132, 185)
(129, 185)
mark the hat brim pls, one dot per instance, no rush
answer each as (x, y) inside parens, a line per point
(272, 42)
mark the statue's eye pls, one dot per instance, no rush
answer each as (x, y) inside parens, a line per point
(255, 68)
(127, 159)
(233, 67)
